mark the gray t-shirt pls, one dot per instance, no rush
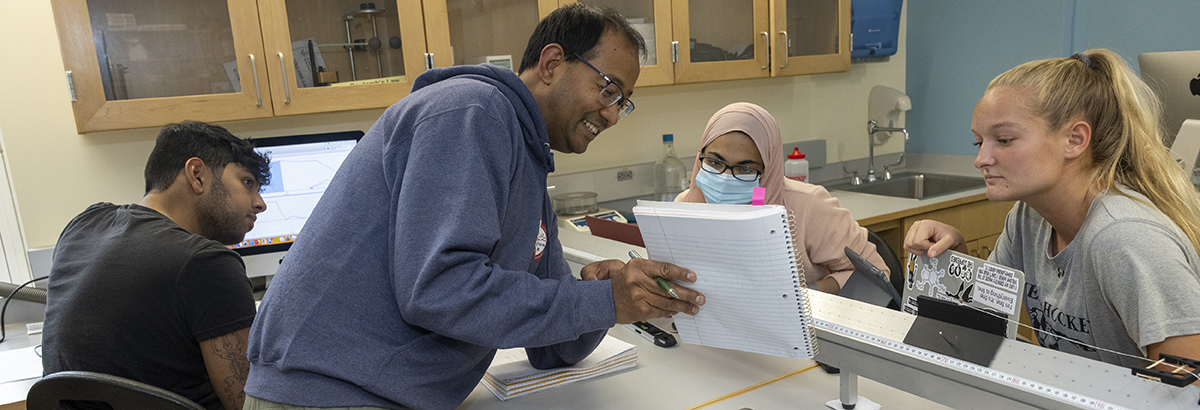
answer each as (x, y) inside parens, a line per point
(1129, 279)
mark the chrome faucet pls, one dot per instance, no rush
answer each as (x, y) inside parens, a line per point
(872, 128)
(887, 173)
(856, 181)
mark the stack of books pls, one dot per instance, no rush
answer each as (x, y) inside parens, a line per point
(510, 374)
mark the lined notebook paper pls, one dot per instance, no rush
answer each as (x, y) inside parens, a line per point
(755, 297)
(510, 374)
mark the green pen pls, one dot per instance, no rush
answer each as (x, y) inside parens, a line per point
(662, 283)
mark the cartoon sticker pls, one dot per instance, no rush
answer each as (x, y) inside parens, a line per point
(961, 268)
(929, 274)
(910, 305)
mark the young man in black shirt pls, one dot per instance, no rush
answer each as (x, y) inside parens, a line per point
(149, 291)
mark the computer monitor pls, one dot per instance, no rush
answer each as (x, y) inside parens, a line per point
(301, 168)
(1175, 76)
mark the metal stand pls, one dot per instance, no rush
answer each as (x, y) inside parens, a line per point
(849, 390)
(849, 398)
(374, 44)
(350, 49)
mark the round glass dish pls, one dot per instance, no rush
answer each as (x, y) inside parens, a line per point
(574, 203)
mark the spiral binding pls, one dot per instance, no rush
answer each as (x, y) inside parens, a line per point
(799, 279)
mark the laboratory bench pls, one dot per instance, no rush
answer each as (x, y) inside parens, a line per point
(861, 339)
(697, 377)
(680, 377)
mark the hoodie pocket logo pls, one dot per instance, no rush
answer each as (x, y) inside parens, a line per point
(539, 249)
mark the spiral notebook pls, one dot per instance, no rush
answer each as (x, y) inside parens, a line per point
(755, 296)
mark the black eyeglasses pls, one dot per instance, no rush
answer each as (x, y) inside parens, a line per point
(744, 173)
(610, 95)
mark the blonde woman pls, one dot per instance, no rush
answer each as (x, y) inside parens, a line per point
(1106, 224)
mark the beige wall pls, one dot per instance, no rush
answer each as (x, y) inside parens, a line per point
(56, 172)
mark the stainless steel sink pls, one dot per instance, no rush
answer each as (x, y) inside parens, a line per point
(913, 185)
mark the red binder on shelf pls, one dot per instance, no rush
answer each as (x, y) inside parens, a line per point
(617, 231)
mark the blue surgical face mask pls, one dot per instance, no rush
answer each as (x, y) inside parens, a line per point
(724, 188)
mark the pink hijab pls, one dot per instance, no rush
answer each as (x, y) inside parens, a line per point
(761, 127)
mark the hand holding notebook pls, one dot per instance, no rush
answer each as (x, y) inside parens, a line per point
(638, 297)
(745, 265)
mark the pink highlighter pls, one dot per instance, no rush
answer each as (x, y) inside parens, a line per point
(759, 197)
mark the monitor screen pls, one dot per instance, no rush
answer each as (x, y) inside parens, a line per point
(1175, 76)
(301, 168)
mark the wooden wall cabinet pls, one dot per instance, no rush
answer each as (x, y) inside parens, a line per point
(145, 63)
(154, 74)
(652, 18)
(721, 40)
(810, 36)
(715, 40)
(472, 31)
(790, 37)
(383, 75)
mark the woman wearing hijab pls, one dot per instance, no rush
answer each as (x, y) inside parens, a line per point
(742, 149)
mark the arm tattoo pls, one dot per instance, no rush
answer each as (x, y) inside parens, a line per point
(232, 349)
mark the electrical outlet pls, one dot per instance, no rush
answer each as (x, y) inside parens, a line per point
(624, 175)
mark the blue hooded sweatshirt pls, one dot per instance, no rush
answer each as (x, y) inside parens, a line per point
(434, 245)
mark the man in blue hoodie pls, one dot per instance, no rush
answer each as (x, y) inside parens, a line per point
(435, 244)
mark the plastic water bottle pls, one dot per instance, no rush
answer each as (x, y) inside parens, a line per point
(670, 178)
(796, 167)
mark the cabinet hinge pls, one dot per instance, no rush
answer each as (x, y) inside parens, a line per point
(674, 51)
(428, 61)
(71, 86)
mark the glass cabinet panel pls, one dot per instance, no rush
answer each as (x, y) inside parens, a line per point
(152, 48)
(490, 31)
(345, 42)
(812, 27)
(721, 30)
(640, 14)
(651, 19)
(144, 63)
(810, 36)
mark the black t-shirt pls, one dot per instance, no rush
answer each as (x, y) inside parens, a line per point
(132, 294)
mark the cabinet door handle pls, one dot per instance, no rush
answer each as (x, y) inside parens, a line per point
(287, 92)
(767, 41)
(986, 252)
(786, 45)
(976, 253)
(257, 90)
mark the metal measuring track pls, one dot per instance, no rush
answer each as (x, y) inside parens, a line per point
(866, 340)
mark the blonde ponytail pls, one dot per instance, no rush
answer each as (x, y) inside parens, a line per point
(1124, 113)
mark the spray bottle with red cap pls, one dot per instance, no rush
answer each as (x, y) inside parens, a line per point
(796, 167)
